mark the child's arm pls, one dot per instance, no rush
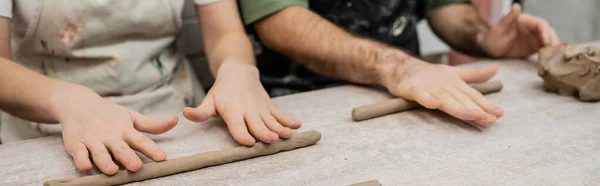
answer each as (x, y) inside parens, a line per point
(91, 125)
(237, 95)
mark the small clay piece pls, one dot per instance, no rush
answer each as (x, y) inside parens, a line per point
(398, 104)
(571, 71)
(368, 183)
(178, 165)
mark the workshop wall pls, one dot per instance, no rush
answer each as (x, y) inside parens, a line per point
(576, 21)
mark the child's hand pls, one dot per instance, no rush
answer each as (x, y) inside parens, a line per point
(238, 97)
(94, 126)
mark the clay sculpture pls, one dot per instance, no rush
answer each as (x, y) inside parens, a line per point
(571, 71)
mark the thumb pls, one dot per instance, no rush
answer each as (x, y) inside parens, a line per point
(477, 75)
(201, 113)
(146, 124)
(512, 16)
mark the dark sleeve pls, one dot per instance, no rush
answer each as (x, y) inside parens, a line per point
(431, 4)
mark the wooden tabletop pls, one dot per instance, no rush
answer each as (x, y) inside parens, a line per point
(543, 139)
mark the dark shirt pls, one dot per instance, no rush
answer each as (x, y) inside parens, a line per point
(392, 22)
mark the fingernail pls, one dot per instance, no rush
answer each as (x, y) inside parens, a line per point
(274, 137)
(484, 116)
(158, 155)
(489, 117)
(476, 114)
(110, 167)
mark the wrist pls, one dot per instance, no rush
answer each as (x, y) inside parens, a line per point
(390, 61)
(236, 68)
(482, 42)
(67, 95)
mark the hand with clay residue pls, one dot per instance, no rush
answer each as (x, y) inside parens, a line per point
(239, 98)
(442, 87)
(519, 35)
(93, 127)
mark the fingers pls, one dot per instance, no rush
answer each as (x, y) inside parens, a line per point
(150, 125)
(124, 154)
(80, 156)
(425, 99)
(258, 129)
(101, 157)
(453, 107)
(145, 145)
(273, 125)
(532, 39)
(481, 101)
(203, 112)
(237, 128)
(484, 117)
(540, 28)
(264, 127)
(477, 75)
(512, 16)
(441, 88)
(285, 120)
(554, 39)
(467, 105)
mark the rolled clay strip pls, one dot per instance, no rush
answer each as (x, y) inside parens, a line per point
(178, 165)
(398, 104)
(368, 183)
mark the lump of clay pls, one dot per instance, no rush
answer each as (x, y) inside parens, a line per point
(571, 70)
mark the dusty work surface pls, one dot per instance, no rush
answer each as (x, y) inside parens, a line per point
(543, 139)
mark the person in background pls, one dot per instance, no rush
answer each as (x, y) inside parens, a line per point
(375, 42)
(99, 67)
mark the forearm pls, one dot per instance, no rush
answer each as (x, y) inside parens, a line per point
(461, 27)
(225, 39)
(232, 47)
(30, 95)
(24, 93)
(326, 49)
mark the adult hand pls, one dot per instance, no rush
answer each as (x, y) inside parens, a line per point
(519, 35)
(442, 87)
(95, 126)
(239, 98)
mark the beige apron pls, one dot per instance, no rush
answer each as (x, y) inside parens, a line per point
(123, 49)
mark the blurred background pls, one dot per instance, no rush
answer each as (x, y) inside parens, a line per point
(576, 21)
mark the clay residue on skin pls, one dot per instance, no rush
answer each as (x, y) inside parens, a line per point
(571, 71)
